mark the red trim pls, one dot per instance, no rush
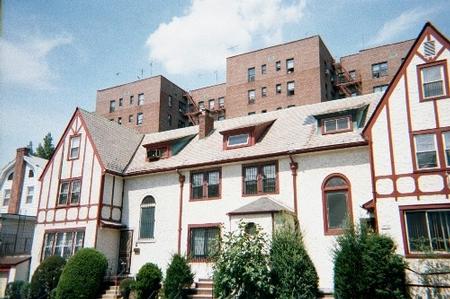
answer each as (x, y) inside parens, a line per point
(420, 67)
(62, 230)
(204, 225)
(259, 186)
(181, 180)
(205, 185)
(349, 122)
(294, 167)
(164, 147)
(335, 231)
(69, 194)
(255, 132)
(100, 205)
(70, 147)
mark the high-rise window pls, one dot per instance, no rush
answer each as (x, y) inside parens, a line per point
(251, 96)
(201, 105)
(130, 118)
(139, 118)
(263, 92)
(120, 102)
(112, 106)
(140, 99)
(131, 100)
(278, 88)
(221, 102)
(169, 120)
(119, 120)
(251, 74)
(290, 65)
(211, 104)
(263, 69)
(170, 101)
(278, 66)
(379, 69)
(380, 88)
(291, 88)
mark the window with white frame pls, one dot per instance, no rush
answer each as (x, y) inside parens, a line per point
(63, 244)
(290, 88)
(433, 81)
(336, 124)
(278, 88)
(428, 231)
(263, 69)
(147, 221)
(290, 65)
(263, 92)
(69, 192)
(139, 118)
(74, 148)
(221, 102)
(6, 196)
(238, 140)
(211, 104)
(426, 155)
(30, 194)
(251, 96)
(140, 101)
(446, 136)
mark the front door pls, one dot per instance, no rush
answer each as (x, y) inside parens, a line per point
(126, 242)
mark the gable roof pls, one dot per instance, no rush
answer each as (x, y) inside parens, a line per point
(427, 29)
(262, 205)
(35, 162)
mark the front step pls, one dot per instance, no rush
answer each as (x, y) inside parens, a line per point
(203, 289)
(112, 293)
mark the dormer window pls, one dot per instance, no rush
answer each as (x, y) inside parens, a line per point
(337, 124)
(238, 140)
(166, 148)
(157, 153)
(244, 136)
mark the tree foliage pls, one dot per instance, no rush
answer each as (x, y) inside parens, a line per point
(17, 290)
(366, 266)
(46, 276)
(293, 273)
(148, 281)
(45, 150)
(125, 287)
(178, 277)
(241, 267)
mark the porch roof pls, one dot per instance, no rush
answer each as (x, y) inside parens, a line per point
(262, 205)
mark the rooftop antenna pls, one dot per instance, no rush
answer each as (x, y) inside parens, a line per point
(151, 68)
(142, 74)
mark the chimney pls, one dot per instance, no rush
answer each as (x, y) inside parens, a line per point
(17, 183)
(205, 123)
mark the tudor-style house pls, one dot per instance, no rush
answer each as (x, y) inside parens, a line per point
(376, 158)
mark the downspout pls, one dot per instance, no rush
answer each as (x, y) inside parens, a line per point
(181, 180)
(294, 167)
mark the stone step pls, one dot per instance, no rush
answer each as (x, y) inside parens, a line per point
(197, 296)
(204, 285)
(204, 291)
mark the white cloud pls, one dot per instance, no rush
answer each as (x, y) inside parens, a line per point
(394, 28)
(25, 62)
(211, 30)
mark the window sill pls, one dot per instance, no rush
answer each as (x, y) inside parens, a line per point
(194, 260)
(334, 232)
(145, 241)
(427, 255)
(260, 193)
(204, 199)
(66, 206)
(434, 98)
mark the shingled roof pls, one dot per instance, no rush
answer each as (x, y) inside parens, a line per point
(115, 144)
(262, 205)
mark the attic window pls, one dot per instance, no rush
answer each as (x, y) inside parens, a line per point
(238, 140)
(245, 136)
(337, 124)
(429, 48)
(157, 153)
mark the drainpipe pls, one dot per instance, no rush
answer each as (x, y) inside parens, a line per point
(181, 180)
(294, 167)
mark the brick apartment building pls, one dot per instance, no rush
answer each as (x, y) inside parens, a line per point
(277, 77)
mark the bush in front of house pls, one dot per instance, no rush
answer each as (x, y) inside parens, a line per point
(241, 266)
(45, 277)
(293, 273)
(17, 290)
(148, 281)
(82, 276)
(366, 266)
(125, 287)
(178, 277)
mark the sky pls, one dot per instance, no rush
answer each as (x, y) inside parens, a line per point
(55, 55)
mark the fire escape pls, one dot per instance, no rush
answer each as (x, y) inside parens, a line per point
(194, 110)
(347, 83)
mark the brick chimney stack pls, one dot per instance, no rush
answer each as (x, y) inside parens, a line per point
(17, 183)
(205, 123)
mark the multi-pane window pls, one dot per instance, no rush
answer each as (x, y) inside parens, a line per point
(433, 81)
(169, 101)
(278, 66)
(290, 65)
(291, 88)
(221, 102)
(139, 118)
(446, 137)
(69, 192)
(379, 69)
(337, 124)
(428, 230)
(112, 106)
(251, 96)
(203, 241)
(30, 194)
(260, 178)
(238, 140)
(140, 99)
(263, 92)
(211, 104)
(6, 196)
(120, 102)
(278, 88)
(201, 105)
(336, 203)
(205, 184)
(251, 74)
(380, 88)
(74, 148)
(426, 156)
(63, 244)
(263, 69)
(147, 222)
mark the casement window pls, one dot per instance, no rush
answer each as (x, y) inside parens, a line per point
(74, 147)
(31, 173)
(251, 74)
(69, 192)
(432, 81)
(120, 102)
(263, 92)
(119, 120)
(140, 99)
(6, 196)
(336, 124)
(291, 88)
(278, 66)
(221, 102)
(278, 89)
(139, 118)
(290, 65)
(30, 194)
(446, 136)
(201, 105)
(426, 154)
(131, 100)
(379, 69)
(238, 140)
(336, 204)
(205, 184)
(112, 106)
(63, 244)
(147, 221)
(427, 231)
(169, 101)
(263, 69)
(130, 118)
(260, 179)
(203, 241)
(211, 104)
(251, 96)
(380, 88)
(11, 176)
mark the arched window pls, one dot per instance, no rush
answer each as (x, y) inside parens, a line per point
(31, 173)
(337, 205)
(250, 228)
(147, 223)
(10, 176)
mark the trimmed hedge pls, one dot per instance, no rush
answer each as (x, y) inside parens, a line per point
(17, 290)
(82, 276)
(126, 286)
(178, 277)
(148, 281)
(46, 277)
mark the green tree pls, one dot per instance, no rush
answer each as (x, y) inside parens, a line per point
(178, 277)
(46, 276)
(45, 151)
(241, 266)
(293, 273)
(148, 281)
